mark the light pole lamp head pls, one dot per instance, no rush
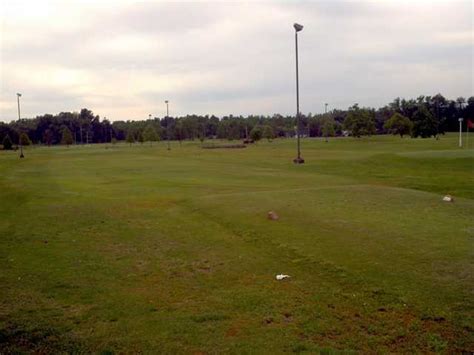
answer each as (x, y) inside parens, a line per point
(166, 101)
(298, 27)
(460, 119)
(18, 94)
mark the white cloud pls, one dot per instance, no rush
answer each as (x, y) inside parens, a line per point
(123, 58)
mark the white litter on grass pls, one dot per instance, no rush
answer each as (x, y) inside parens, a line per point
(448, 198)
(281, 277)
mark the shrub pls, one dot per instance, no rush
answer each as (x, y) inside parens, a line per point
(67, 137)
(7, 143)
(256, 133)
(399, 124)
(268, 132)
(24, 139)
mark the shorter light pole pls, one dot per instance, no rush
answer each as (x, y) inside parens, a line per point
(149, 116)
(18, 95)
(167, 124)
(460, 132)
(325, 108)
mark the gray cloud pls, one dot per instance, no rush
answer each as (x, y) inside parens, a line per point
(122, 59)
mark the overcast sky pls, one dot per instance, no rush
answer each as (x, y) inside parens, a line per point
(122, 59)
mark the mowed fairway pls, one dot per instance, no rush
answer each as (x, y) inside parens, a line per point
(139, 249)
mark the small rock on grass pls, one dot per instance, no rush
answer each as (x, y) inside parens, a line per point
(272, 216)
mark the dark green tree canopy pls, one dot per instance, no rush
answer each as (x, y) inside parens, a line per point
(430, 115)
(130, 137)
(24, 139)
(328, 128)
(256, 133)
(67, 137)
(360, 121)
(7, 143)
(140, 137)
(268, 133)
(399, 124)
(150, 134)
(425, 124)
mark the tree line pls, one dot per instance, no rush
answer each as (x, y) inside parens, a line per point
(425, 116)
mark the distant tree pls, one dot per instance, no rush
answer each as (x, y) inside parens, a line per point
(150, 134)
(201, 137)
(314, 126)
(460, 101)
(201, 133)
(425, 124)
(442, 115)
(398, 124)
(24, 139)
(223, 129)
(256, 133)
(7, 143)
(360, 121)
(468, 111)
(202, 129)
(328, 127)
(190, 126)
(48, 137)
(140, 137)
(179, 131)
(67, 137)
(268, 133)
(130, 137)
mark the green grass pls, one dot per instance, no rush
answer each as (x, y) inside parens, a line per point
(118, 249)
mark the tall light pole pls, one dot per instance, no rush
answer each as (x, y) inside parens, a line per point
(149, 116)
(167, 124)
(326, 108)
(18, 95)
(298, 159)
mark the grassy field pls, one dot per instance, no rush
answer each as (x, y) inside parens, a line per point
(138, 249)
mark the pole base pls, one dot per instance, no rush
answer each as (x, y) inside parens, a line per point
(298, 160)
(21, 155)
